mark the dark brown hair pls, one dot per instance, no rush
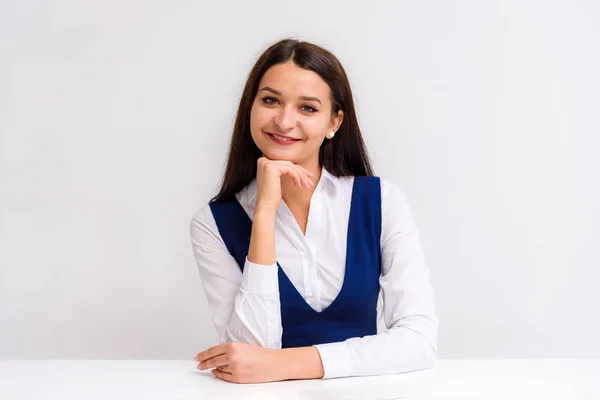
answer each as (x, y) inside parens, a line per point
(344, 155)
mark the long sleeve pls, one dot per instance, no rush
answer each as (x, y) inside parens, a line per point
(245, 306)
(410, 343)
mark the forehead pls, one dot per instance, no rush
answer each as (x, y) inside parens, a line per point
(291, 80)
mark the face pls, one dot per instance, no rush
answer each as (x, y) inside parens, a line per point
(292, 103)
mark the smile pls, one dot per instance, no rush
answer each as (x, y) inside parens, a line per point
(281, 139)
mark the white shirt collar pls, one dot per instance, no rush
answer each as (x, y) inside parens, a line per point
(248, 194)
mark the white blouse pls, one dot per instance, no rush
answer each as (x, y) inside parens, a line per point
(245, 306)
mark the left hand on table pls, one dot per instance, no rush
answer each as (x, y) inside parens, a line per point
(241, 363)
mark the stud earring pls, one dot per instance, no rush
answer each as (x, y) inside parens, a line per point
(331, 135)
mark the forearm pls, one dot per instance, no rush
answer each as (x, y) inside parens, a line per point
(244, 305)
(256, 316)
(262, 240)
(397, 350)
(300, 363)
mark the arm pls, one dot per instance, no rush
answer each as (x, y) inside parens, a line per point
(262, 240)
(246, 310)
(411, 340)
(245, 307)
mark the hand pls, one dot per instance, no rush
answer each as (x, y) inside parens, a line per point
(268, 180)
(242, 363)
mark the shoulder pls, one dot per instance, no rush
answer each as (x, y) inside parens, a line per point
(392, 193)
(203, 227)
(203, 220)
(396, 212)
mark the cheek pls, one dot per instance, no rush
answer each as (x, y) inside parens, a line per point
(260, 117)
(314, 127)
(256, 122)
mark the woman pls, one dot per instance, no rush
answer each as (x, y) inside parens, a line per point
(295, 249)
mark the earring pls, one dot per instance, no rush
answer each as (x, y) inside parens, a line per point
(331, 135)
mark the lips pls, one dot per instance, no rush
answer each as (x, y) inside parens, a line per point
(282, 142)
(281, 136)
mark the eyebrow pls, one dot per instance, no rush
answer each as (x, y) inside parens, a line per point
(308, 98)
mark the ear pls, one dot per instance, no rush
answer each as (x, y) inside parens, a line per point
(336, 121)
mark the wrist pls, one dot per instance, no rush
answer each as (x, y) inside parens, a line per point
(300, 363)
(283, 362)
(264, 212)
(262, 240)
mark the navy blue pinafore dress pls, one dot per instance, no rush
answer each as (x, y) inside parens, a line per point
(353, 313)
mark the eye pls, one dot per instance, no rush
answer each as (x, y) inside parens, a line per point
(266, 100)
(309, 109)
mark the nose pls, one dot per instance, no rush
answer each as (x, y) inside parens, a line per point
(286, 118)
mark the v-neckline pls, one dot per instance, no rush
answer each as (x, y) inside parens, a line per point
(295, 222)
(344, 282)
(310, 207)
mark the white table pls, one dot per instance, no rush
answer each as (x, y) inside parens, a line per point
(179, 380)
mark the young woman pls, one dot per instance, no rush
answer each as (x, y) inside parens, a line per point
(295, 249)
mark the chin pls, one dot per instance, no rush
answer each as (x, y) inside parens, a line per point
(276, 155)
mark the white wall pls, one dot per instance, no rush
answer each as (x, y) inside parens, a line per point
(115, 119)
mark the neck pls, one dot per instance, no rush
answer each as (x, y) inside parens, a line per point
(293, 194)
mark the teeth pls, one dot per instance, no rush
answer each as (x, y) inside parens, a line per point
(282, 138)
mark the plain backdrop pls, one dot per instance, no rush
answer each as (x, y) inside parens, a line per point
(115, 118)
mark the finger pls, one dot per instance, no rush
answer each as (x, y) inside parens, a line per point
(289, 163)
(306, 174)
(294, 174)
(211, 352)
(305, 177)
(307, 171)
(225, 368)
(301, 176)
(310, 181)
(285, 167)
(214, 362)
(224, 376)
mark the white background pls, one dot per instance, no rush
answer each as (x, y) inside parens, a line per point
(115, 119)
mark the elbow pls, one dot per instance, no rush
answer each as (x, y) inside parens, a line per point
(424, 355)
(425, 345)
(430, 350)
(428, 335)
(430, 355)
(428, 344)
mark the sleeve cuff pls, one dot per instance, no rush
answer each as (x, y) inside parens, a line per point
(336, 360)
(260, 280)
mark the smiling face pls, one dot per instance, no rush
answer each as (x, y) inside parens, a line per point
(292, 103)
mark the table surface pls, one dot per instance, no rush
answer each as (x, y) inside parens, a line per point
(179, 380)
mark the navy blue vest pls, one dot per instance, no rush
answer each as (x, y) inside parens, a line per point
(353, 313)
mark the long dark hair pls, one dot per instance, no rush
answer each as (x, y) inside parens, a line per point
(344, 155)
